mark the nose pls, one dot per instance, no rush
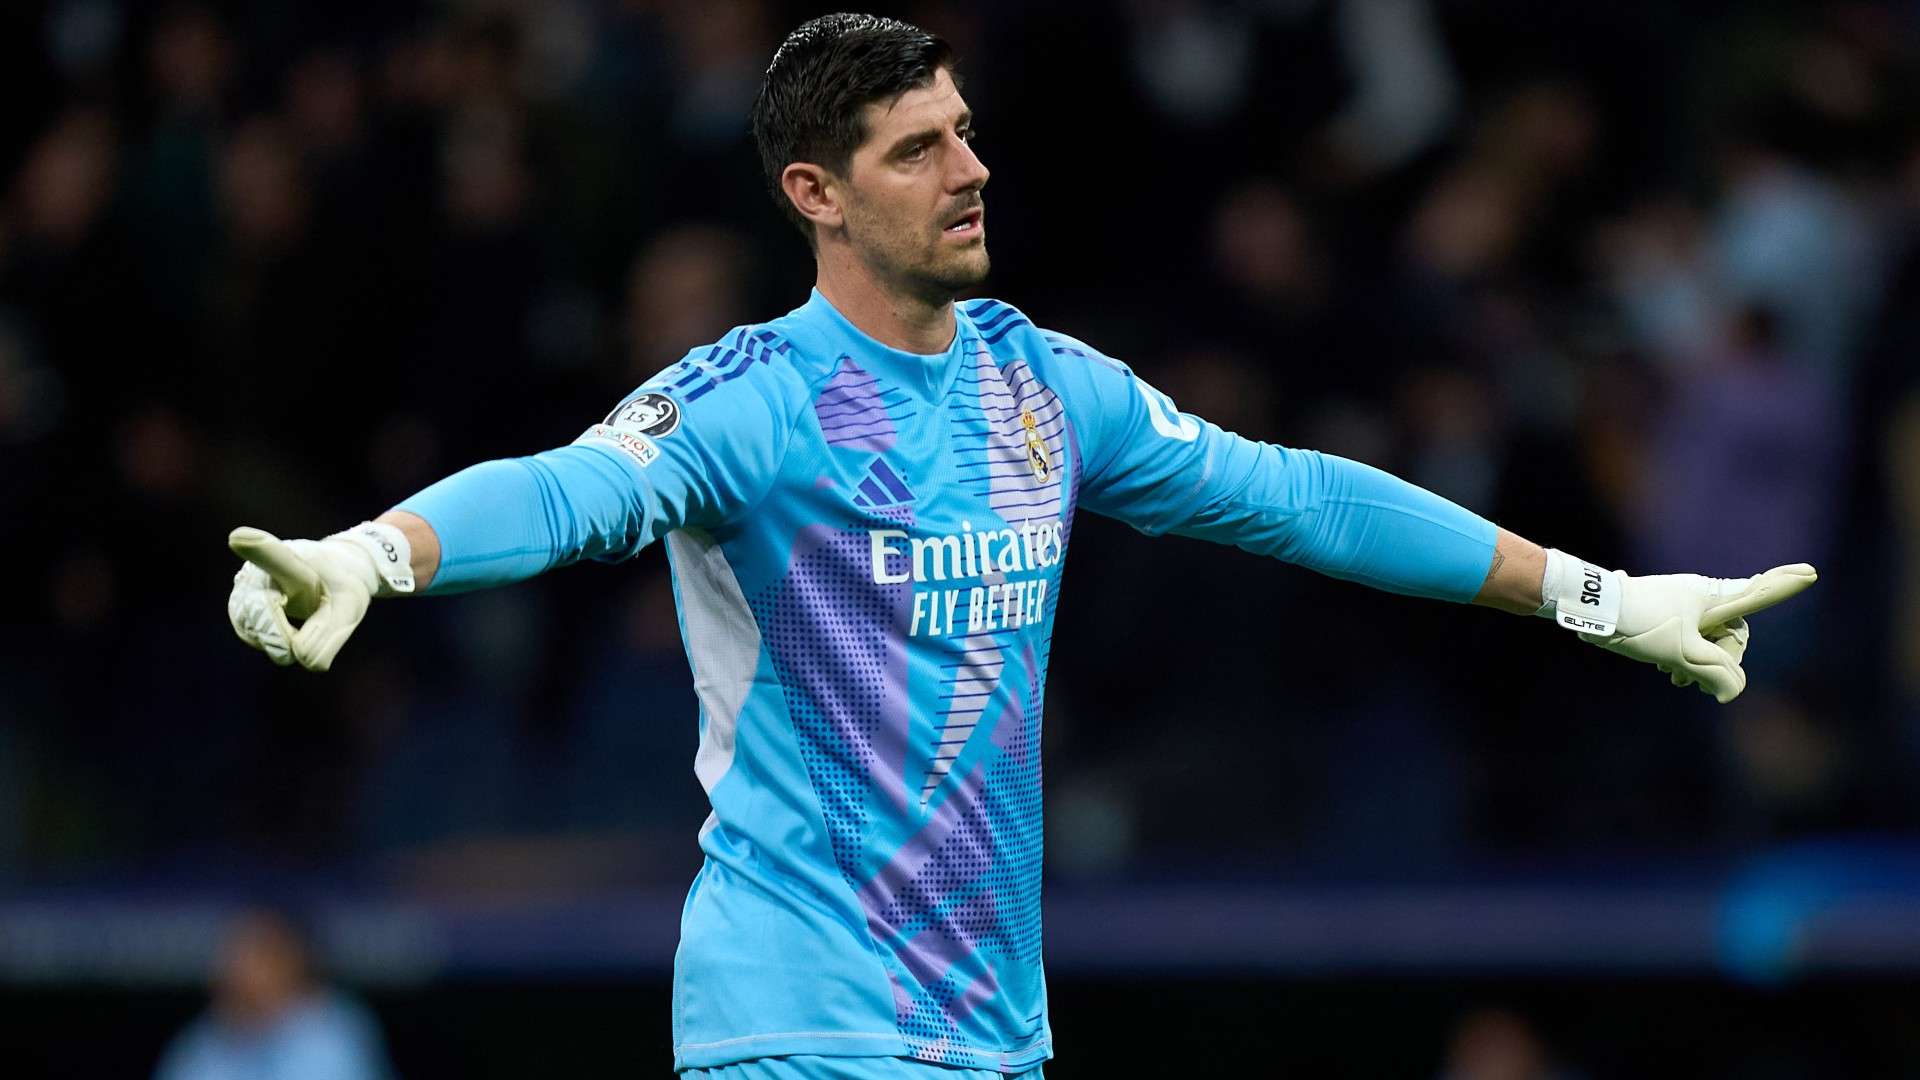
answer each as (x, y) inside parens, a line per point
(969, 174)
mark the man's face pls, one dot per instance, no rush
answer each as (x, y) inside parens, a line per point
(912, 205)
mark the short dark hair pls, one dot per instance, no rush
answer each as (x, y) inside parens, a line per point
(822, 77)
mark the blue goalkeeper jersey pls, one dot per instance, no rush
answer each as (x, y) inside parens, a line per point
(867, 548)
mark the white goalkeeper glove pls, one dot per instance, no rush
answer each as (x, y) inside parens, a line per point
(1693, 628)
(325, 585)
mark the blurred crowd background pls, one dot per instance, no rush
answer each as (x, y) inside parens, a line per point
(1638, 280)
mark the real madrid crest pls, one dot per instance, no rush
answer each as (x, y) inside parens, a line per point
(1036, 447)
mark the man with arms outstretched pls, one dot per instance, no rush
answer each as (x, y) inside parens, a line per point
(867, 504)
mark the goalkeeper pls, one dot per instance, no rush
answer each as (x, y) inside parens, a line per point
(867, 504)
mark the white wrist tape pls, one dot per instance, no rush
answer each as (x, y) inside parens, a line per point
(392, 555)
(1580, 596)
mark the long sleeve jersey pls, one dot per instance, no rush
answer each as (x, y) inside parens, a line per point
(867, 548)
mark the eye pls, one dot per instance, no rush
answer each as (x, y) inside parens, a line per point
(918, 151)
(967, 133)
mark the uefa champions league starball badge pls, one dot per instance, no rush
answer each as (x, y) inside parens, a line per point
(1036, 447)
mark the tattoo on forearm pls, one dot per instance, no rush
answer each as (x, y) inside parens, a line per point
(1498, 561)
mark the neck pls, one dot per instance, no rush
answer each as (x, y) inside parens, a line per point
(895, 318)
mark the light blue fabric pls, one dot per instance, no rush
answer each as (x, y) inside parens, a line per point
(867, 548)
(847, 1068)
(1163, 471)
(503, 521)
(325, 1038)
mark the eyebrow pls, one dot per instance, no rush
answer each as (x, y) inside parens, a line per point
(909, 141)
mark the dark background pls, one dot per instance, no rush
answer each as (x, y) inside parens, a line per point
(1637, 280)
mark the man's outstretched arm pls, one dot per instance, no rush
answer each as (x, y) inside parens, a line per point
(1513, 581)
(1168, 472)
(1692, 627)
(493, 523)
(656, 463)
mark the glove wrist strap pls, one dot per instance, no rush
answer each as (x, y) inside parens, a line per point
(1580, 596)
(392, 555)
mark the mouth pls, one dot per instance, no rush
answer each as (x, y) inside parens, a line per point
(967, 224)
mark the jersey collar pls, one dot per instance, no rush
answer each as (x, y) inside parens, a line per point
(927, 374)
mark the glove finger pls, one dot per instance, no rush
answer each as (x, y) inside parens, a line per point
(1714, 669)
(254, 592)
(298, 580)
(1732, 639)
(250, 576)
(258, 620)
(321, 637)
(1760, 591)
(241, 619)
(275, 639)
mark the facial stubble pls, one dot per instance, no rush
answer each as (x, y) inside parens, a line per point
(928, 272)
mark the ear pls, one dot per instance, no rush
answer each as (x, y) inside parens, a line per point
(815, 193)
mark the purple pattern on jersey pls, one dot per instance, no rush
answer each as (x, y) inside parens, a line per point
(1072, 439)
(949, 882)
(1015, 486)
(950, 850)
(854, 410)
(964, 692)
(828, 628)
(1016, 776)
(965, 888)
(934, 957)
